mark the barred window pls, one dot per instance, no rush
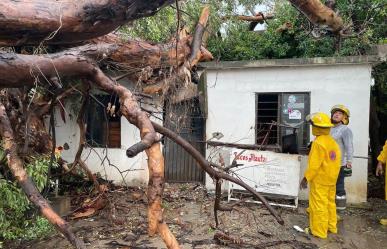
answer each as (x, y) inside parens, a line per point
(287, 110)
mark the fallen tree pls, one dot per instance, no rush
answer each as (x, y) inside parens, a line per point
(21, 70)
(79, 48)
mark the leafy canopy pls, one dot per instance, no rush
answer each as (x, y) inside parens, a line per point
(230, 39)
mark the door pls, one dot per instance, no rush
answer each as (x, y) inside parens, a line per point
(187, 121)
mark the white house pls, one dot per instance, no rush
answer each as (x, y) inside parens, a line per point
(238, 99)
(242, 96)
(105, 152)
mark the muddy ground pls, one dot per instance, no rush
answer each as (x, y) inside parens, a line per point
(189, 213)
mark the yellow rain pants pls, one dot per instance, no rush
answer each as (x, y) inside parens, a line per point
(322, 210)
(383, 158)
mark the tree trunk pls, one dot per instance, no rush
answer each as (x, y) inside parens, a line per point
(129, 55)
(30, 22)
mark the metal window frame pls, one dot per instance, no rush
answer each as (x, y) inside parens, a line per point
(279, 116)
(256, 114)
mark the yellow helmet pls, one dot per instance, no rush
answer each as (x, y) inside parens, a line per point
(319, 119)
(343, 109)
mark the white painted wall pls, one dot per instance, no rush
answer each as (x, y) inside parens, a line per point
(231, 105)
(138, 170)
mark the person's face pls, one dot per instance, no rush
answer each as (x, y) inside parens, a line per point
(337, 117)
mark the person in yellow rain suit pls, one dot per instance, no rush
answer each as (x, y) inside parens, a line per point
(382, 159)
(322, 172)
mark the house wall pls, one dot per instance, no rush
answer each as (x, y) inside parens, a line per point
(106, 162)
(231, 106)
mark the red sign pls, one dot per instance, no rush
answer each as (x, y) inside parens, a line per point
(250, 158)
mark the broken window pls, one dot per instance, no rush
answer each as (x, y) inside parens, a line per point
(280, 121)
(103, 122)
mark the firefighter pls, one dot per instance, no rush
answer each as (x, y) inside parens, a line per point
(382, 158)
(322, 172)
(344, 138)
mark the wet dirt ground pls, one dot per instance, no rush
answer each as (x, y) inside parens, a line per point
(189, 214)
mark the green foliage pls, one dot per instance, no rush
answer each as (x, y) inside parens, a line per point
(240, 44)
(163, 26)
(18, 219)
(231, 40)
(158, 28)
(380, 88)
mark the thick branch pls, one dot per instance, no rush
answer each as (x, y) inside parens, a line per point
(130, 55)
(260, 17)
(15, 164)
(29, 22)
(319, 14)
(197, 53)
(203, 163)
(198, 37)
(74, 64)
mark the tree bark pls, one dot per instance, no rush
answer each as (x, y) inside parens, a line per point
(217, 204)
(110, 50)
(30, 22)
(319, 14)
(74, 64)
(15, 164)
(259, 17)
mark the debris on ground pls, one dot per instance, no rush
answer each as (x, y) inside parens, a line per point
(121, 222)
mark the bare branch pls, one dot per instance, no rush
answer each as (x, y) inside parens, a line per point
(205, 165)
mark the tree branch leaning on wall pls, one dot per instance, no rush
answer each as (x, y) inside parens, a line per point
(75, 65)
(15, 164)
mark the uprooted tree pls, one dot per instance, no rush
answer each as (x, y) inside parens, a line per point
(46, 44)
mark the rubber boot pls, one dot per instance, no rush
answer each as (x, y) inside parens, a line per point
(341, 202)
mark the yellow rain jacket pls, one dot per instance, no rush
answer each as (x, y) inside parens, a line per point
(322, 172)
(323, 161)
(383, 158)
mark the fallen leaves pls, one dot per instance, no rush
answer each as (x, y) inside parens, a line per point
(89, 207)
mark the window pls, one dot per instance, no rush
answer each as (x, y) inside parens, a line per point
(103, 124)
(286, 110)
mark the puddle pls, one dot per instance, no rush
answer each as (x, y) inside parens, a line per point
(61, 204)
(362, 232)
(358, 230)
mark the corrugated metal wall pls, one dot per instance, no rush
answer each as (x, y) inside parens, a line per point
(186, 120)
